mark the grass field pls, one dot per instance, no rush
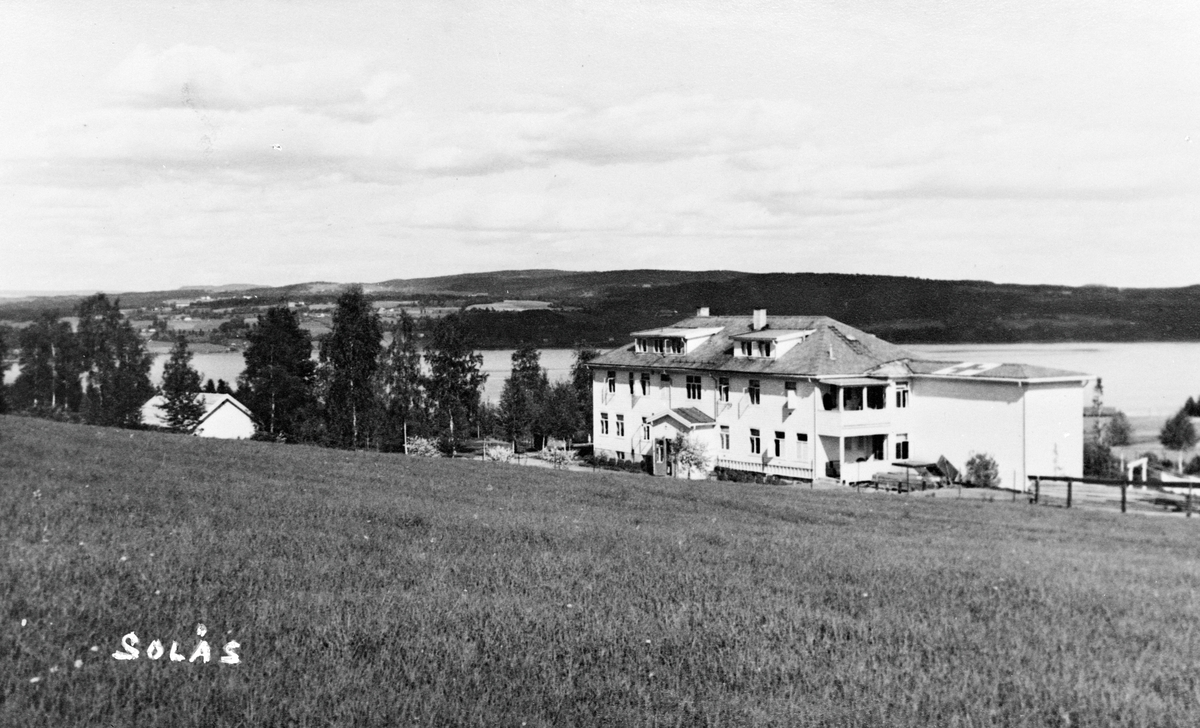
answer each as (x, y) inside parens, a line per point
(369, 589)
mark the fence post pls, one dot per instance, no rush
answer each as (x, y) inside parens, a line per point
(1068, 493)
(1189, 500)
(1037, 489)
(1124, 485)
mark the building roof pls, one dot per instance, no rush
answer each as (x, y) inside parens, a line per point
(973, 370)
(677, 332)
(689, 416)
(832, 349)
(152, 413)
(771, 335)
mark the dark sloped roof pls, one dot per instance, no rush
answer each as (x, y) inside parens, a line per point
(693, 415)
(832, 348)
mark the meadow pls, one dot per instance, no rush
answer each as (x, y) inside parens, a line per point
(370, 589)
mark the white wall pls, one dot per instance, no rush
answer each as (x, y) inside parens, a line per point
(956, 418)
(1054, 430)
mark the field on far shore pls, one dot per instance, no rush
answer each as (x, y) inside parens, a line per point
(380, 590)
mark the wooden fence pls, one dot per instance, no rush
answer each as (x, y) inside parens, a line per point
(1108, 492)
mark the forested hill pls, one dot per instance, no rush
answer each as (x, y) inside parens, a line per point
(601, 308)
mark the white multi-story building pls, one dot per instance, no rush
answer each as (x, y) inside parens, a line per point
(808, 396)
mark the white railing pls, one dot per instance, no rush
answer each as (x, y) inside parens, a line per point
(750, 463)
(789, 469)
(766, 465)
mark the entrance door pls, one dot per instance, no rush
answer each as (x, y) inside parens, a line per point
(662, 456)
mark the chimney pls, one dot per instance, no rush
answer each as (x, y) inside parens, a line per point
(760, 320)
(702, 312)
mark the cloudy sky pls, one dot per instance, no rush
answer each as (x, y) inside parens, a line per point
(151, 146)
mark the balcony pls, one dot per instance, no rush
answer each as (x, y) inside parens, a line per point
(850, 422)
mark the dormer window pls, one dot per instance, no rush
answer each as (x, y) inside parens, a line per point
(764, 348)
(641, 344)
(747, 348)
(658, 346)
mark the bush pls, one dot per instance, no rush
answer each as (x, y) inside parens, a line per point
(422, 448)
(607, 463)
(498, 454)
(982, 471)
(744, 476)
(1099, 461)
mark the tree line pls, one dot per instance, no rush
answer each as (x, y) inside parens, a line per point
(356, 393)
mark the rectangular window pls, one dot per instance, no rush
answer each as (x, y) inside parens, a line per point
(747, 348)
(603, 423)
(902, 394)
(755, 442)
(631, 384)
(755, 391)
(876, 397)
(676, 346)
(779, 436)
(658, 346)
(620, 425)
(611, 379)
(645, 383)
(664, 378)
(724, 437)
(764, 348)
(620, 455)
(723, 389)
(902, 447)
(693, 387)
(802, 446)
(645, 428)
(852, 398)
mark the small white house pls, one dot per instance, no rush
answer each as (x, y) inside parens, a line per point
(224, 417)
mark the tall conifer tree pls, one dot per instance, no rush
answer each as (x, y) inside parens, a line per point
(182, 403)
(524, 398)
(277, 383)
(455, 380)
(350, 355)
(399, 387)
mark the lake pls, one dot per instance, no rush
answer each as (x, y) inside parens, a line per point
(1143, 379)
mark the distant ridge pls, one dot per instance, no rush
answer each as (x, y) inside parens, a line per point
(224, 288)
(600, 307)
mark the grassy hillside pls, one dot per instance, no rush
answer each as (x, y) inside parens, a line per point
(379, 590)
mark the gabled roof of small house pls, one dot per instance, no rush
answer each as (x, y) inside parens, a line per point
(152, 413)
(832, 348)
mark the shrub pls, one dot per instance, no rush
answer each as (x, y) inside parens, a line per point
(1098, 461)
(422, 447)
(498, 454)
(560, 457)
(744, 476)
(982, 471)
(607, 463)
